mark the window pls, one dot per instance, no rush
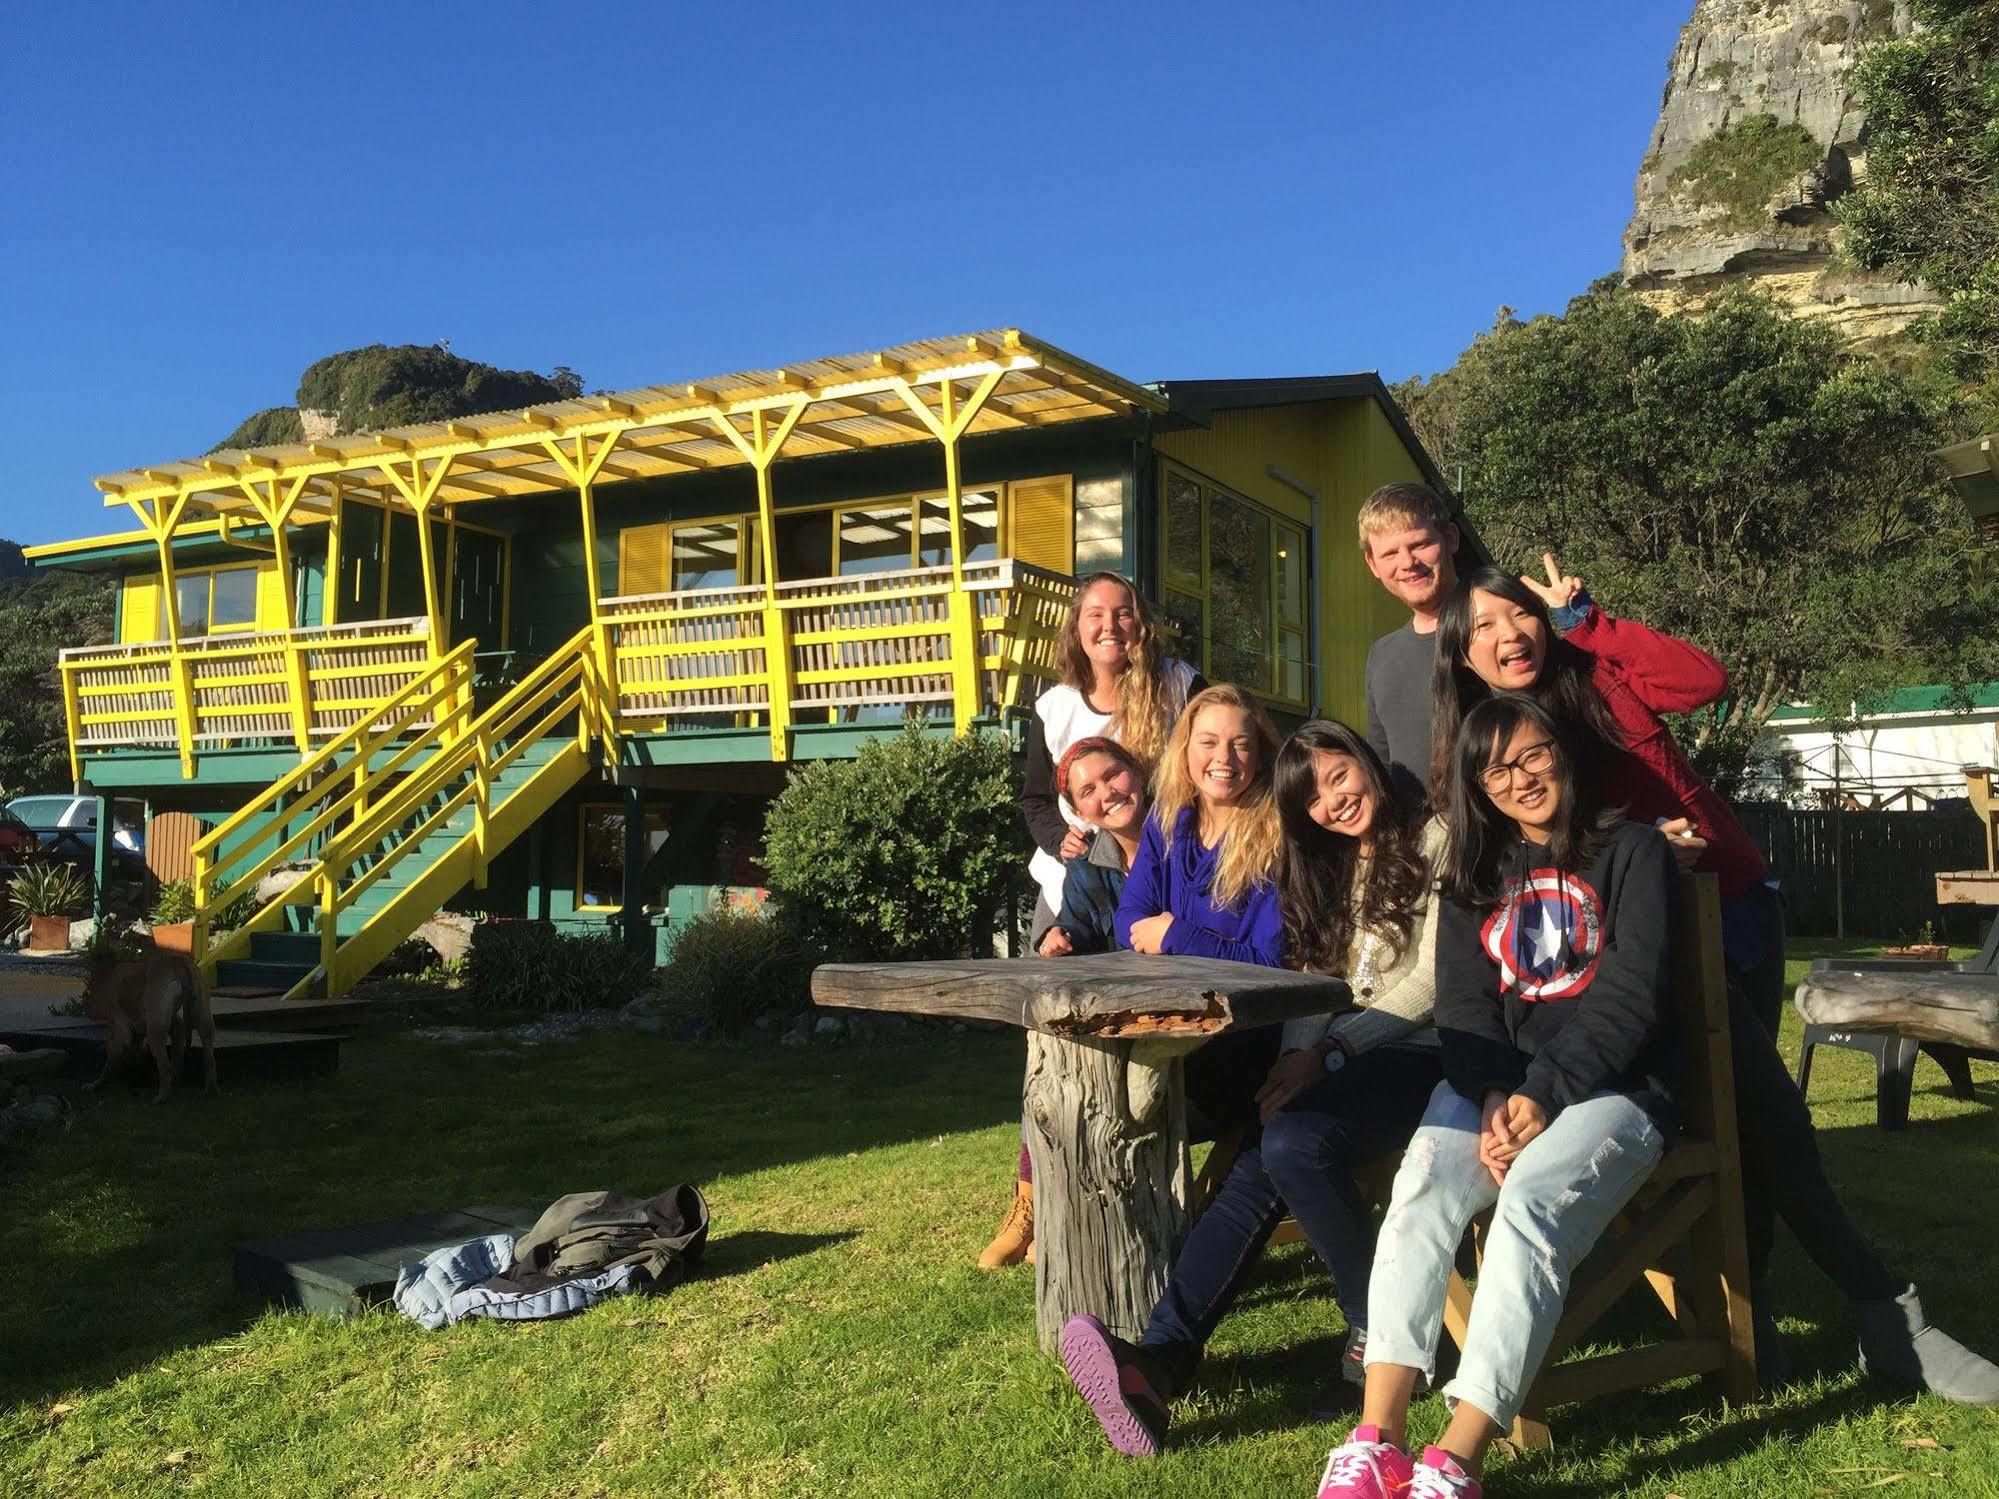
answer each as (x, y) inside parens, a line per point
(978, 509)
(872, 539)
(600, 853)
(216, 598)
(1236, 583)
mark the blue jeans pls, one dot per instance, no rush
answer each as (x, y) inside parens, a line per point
(1559, 1196)
(1302, 1160)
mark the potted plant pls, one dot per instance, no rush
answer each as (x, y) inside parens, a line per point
(173, 917)
(1925, 948)
(48, 894)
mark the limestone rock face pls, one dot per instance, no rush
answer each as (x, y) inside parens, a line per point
(1759, 133)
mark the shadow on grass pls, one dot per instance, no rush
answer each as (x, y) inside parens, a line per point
(120, 1228)
(734, 1254)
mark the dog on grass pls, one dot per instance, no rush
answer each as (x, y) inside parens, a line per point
(160, 997)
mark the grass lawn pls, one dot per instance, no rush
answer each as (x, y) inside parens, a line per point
(840, 1341)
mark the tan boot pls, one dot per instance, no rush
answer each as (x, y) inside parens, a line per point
(1015, 1239)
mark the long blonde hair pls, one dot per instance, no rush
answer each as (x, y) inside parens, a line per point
(1144, 716)
(1254, 837)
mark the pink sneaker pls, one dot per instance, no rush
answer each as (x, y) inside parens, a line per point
(1366, 1468)
(1439, 1476)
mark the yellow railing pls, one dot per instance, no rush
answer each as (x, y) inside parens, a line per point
(330, 790)
(560, 699)
(300, 687)
(830, 647)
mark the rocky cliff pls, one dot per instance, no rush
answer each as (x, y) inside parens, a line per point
(1760, 132)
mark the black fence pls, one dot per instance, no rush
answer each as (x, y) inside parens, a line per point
(1880, 866)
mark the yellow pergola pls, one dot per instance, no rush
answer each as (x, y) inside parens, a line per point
(941, 390)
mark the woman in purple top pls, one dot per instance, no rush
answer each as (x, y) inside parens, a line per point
(1203, 881)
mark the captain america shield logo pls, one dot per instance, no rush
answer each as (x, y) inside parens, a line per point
(1546, 936)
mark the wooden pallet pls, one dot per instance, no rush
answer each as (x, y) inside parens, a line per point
(341, 1271)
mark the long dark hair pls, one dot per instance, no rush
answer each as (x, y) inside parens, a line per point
(1478, 833)
(1564, 686)
(1315, 873)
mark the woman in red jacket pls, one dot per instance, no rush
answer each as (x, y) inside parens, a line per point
(1614, 678)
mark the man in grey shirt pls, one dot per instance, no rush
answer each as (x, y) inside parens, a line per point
(1409, 541)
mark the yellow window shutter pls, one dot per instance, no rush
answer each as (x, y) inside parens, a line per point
(273, 611)
(139, 609)
(643, 558)
(1041, 522)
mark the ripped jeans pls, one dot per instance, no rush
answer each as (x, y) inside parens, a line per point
(1559, 1196)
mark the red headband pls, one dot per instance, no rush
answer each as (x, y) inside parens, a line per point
(1095, 744)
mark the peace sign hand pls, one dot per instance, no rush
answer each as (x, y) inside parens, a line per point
(1560, 589)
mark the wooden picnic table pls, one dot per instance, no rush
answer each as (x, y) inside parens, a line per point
(1103, 1105)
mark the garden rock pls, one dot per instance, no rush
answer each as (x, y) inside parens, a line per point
(80, 933)
(448, 934)
(278, 882)
(828, 1026)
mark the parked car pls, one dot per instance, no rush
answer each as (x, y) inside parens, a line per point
(49, 814)
(66, 828)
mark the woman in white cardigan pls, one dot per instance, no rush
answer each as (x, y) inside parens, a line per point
(1345, 1089)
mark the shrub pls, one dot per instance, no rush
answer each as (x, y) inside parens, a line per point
(730, 965)
(530, 965)
(174, 903)
(1742, 166)
(900, 851)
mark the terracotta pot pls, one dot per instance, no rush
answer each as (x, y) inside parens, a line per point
(48, 933)
(175, 936)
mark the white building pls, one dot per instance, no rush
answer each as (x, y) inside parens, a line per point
(1907, 755)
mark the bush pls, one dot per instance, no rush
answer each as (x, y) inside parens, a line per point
(730, 965)
(900, 852)
(529, 965)
(174, 903)
(1742, 166)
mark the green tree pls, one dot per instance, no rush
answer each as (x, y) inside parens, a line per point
(1740, 481)
(39, 615)
(900, 852)
(1928, 209)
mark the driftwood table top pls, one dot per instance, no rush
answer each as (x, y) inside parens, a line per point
(1121, 994)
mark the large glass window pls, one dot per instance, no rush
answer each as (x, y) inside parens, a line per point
(707, 555)
(873, 538)
(600, 863)
(1236, 587)
(979, 509)
(222, 598)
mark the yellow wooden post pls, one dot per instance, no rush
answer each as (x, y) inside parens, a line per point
(954, 422)
(276, 511)
(160, 524)
(600, 701)
(72, 715)
(761, 448)
(329, 599)
(329, 931)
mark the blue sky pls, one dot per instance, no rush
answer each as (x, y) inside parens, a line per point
(201, 199)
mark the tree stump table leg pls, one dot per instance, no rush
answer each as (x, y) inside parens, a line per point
(1106, 1124)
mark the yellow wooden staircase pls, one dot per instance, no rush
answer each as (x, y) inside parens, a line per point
(377, 829)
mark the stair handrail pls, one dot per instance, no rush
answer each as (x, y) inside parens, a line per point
(456, 661)
(413, 790)
(441, 691)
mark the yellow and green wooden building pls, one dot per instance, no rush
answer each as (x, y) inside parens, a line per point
(563, 656)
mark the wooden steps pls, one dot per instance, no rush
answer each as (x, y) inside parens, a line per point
(341, 1271)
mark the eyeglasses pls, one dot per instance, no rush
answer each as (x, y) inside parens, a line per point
(1535, 760)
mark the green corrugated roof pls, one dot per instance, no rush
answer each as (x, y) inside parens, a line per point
(1907, 700)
